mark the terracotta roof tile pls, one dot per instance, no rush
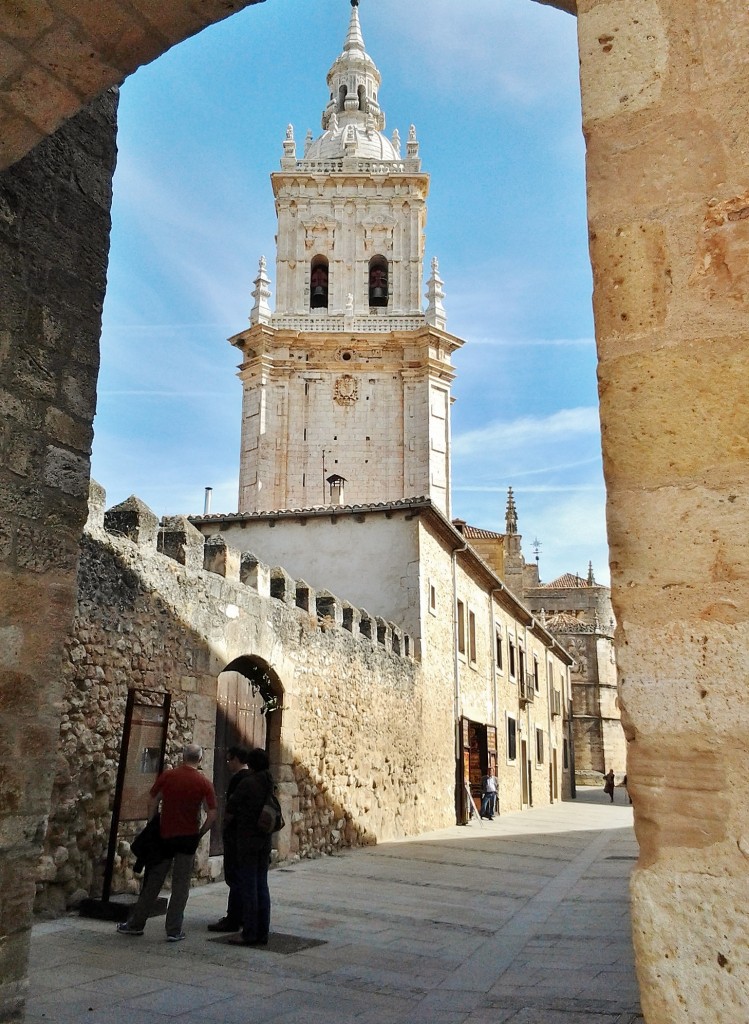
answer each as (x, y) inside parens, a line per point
(567, 581)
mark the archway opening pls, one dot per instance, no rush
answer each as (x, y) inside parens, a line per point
(249, 696)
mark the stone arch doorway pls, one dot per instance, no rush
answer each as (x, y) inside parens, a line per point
(248, 712)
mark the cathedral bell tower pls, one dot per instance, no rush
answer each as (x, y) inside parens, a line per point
(349, 375)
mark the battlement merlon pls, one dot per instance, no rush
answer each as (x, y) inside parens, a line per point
(176, 539)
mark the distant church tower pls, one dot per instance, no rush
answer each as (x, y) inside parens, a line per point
(346, 386)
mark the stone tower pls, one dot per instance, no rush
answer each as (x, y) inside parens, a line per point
(346, 385)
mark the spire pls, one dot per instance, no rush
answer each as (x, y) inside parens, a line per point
(591, 577)
(435, 311)
(354, 39)
(354, 81)
(353, 122)
(260, 312)
(511, 515)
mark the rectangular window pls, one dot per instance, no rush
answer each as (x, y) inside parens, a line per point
(432, 599)
(512, 743)
(511, 645)
(498, 637)
(461, 628)
(535, 674)
(472, 637)
(539, 746)
(565, 755)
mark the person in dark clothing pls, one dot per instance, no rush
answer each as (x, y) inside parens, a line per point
(252, 850)
(236, 759)
(608, 785)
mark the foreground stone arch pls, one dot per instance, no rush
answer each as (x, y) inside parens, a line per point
(665, 96)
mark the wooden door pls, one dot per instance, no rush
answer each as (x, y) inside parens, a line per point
(239, 721)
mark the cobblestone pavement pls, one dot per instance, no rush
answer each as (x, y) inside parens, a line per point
(523, 920)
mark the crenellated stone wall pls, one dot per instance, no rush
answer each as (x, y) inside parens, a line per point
(350, 748)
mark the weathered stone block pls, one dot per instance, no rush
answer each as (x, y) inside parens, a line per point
(305, 597)
(384, 634)
(633, 259)
(253, 573)
(351, 618)
(178, 539)
(221, 559)
(282, 586)
(329, 608)
(133, 519)
(367, 625)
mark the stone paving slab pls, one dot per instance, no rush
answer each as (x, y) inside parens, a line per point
(523, 920)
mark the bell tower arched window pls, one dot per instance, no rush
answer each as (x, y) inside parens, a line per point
(318, 283)
(378, 281)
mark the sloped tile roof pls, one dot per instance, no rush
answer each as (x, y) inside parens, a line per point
(567, 581)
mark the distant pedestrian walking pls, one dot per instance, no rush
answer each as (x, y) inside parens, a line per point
(182, 793)
(608, 786)
(626, 788)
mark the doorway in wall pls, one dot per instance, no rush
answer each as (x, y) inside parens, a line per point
(246, 696)
(478, 757)
(525, 773)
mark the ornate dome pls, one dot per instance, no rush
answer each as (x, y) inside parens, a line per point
(363, 141)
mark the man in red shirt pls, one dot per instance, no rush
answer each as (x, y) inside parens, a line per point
(182, 793)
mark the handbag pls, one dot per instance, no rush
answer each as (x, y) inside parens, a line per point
(270, 819)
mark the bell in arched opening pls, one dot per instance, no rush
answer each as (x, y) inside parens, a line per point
(378, 281)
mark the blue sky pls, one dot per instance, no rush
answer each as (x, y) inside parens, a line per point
(492, 88)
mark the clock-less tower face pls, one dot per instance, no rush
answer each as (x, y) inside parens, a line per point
(348, 378)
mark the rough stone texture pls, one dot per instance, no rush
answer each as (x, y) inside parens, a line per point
(52, 278)
(355, 763)
(57, 55)
(666, 105)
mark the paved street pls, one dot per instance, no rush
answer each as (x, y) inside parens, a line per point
(523, 920)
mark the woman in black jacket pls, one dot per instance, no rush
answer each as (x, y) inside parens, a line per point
(252, 850)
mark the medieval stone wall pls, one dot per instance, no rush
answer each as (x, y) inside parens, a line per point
(354, 756)
(52, 280)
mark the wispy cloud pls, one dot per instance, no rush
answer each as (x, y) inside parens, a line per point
(500, 434)
(521, 343)
(491, 50)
